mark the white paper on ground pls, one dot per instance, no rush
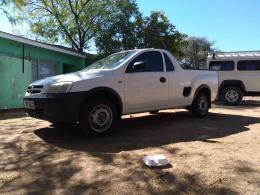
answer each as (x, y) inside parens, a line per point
(157, 160)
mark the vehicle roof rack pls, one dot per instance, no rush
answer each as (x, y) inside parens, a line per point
(234, 54)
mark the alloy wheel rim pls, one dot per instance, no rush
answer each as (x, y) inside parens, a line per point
(231, 96)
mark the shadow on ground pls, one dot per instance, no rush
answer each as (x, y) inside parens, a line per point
(245, 104)
(150, 131)
(11, 114)
(63, 161)
(143, 132)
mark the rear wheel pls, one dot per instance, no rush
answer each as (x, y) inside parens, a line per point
(231, 95)
(200, 106)
(98, 117)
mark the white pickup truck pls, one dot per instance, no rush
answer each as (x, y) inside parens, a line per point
(135, 81)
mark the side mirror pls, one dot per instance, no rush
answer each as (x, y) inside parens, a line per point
(139, 65)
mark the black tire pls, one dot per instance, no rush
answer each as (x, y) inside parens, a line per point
(97, 111)
(154, 112)
(188, 108)
(231, 96)
(200, 106)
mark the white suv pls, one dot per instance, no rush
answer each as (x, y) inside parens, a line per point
(141, 80)
(239, 74)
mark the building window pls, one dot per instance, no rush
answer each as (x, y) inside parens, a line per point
(248, 65)
(42, 69)
(222, 65)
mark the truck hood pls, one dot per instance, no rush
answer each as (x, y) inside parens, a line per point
(73, 77)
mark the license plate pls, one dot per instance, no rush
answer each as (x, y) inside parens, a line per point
(29, 104)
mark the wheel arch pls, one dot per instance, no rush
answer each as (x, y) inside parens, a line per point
(203, 89)
(107, 93)
(232, 83)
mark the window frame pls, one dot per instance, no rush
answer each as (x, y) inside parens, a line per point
(165, 64)
(130, 64)
(233, 69)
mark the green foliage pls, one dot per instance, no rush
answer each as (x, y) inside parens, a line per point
(16, 3)
(121, 31)
(159, 32)
(128, 30)
(70, 22)
(113, 25)
(195, 52)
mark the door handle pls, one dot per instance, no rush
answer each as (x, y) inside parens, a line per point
(162, 79)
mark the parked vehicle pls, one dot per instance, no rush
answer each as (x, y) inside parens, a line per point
(239, 75)
(134, 81)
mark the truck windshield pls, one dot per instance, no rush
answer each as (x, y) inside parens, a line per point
(111, 61)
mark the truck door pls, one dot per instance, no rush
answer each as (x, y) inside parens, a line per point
(146, 84)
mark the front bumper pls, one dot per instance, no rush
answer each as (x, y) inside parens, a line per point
(60, 107)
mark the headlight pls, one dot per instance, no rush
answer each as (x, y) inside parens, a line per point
(61, 87)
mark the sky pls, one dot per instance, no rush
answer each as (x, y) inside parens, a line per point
(233, 24)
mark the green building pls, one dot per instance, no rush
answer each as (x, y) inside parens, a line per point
(23, 61)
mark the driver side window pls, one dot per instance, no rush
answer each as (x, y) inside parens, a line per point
(150, 61)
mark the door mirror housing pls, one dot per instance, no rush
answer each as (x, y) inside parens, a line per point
(139, 65)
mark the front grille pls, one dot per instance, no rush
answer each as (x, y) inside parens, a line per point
(34, 89)
(37, 113)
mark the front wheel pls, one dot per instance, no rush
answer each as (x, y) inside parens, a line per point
(200, 106)
(98, 117)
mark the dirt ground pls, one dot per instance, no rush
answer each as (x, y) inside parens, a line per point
(219, 154)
